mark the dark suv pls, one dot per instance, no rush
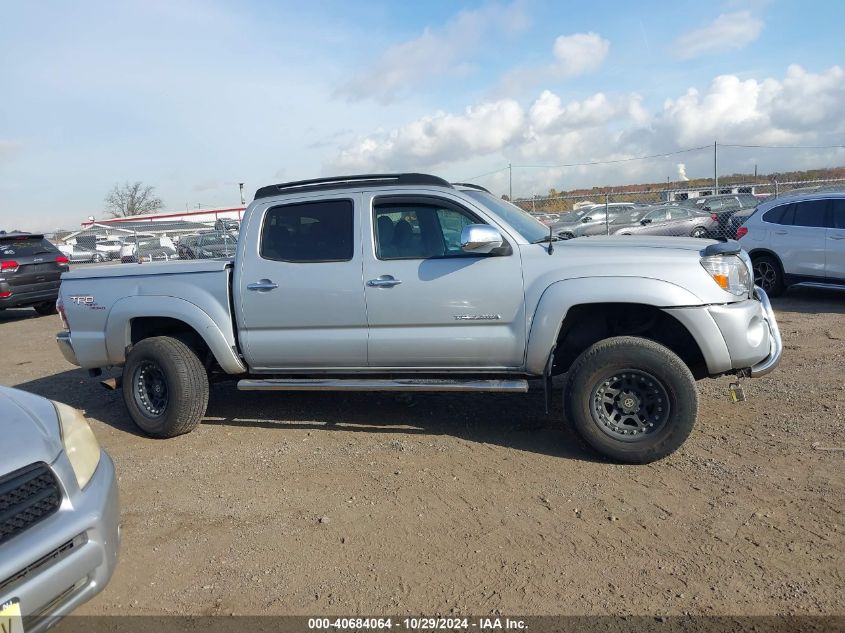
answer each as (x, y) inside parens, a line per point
(30, 272)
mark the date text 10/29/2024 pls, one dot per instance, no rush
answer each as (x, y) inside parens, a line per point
(417, 624)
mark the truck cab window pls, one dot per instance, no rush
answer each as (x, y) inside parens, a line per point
(419, 231)
(309, 232)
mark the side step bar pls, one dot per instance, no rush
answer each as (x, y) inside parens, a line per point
(375, 384)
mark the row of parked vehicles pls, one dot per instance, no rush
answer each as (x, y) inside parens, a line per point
(700, 217)
(797, 238)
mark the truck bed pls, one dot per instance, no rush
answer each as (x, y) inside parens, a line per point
(156, 268)
(103, 304)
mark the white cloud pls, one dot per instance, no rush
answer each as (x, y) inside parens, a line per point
(579, 53)
(576, 54)
(436, 139)
(727, 32)
(801, 108)
(436, 52)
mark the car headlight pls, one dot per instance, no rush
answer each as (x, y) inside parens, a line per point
(731, 273)
(81, 447)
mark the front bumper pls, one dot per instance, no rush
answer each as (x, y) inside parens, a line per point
(742, 336)
(65, 344)
(773, 359)
(68, 558)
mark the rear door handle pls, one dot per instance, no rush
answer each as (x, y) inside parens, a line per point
(837, 237)
(780, 232)
(384, 281)
(263, 285)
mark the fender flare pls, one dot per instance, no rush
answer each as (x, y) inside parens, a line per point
(561, 296)
(119, 331)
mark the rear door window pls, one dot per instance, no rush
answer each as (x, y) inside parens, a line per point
(309, 232)
(837, 211)
(812, 213)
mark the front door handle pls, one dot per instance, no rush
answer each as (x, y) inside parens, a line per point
(263, 285)
(837, 237)
(384, 281)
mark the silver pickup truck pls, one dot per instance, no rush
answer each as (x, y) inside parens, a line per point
(404, 282)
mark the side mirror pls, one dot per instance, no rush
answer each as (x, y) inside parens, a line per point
(645, 221)
(480, 239)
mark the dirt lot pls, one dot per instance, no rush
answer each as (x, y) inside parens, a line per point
(343, 504)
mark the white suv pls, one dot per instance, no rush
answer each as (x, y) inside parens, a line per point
(797, 239)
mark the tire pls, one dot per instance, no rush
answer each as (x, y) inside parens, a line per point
(46, 308)
(768, 274)
(698, 231)
(174, 395)
(660, 406)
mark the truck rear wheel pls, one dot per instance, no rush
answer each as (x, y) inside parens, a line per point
(165, 387)
(45, 308)
(631, 399)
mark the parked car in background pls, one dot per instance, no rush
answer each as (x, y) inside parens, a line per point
(591, 217)
(185, 246)
(80, 254)
(30, 272)
(226, 224)
(147, 249)
(615, 222)
(671, 220)
(59, 514)
(797, 239)
(208, 245)
(357, 284)
(723, 206)
(109, 248)
(737, 220)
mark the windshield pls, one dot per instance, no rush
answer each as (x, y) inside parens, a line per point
(522, 221)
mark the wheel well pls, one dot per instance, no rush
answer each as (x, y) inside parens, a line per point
(761, 252)
(587, 324)
(147, 327)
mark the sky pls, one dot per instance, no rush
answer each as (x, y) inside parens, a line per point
(193, 97)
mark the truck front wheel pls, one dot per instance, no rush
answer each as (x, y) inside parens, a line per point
(165, 387)
(631, 399)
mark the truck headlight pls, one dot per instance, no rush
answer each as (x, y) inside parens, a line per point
(731, 273)
(81, 447)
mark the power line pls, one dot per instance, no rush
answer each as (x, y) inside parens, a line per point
(489, 173)
(783, 146)
(618, 160)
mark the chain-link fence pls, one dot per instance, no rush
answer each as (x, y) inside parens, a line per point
(210, 244)
(704, 212)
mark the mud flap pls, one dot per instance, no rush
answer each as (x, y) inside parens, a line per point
(547, 380)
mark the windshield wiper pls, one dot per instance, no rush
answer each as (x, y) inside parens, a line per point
(547, 238)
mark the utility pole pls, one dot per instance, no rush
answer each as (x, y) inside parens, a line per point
(715, 170)
(606, 214)
(241, 186)
(510, 182)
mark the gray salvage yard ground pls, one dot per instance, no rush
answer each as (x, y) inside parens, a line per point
(476, 504)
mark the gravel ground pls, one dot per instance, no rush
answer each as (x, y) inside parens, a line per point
(474, 504)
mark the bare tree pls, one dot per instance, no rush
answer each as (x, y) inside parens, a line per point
(132, 199)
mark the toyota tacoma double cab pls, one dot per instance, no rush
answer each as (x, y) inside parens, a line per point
(405, 282)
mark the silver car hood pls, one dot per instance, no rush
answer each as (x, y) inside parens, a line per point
(645, 241)
(29, 430)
